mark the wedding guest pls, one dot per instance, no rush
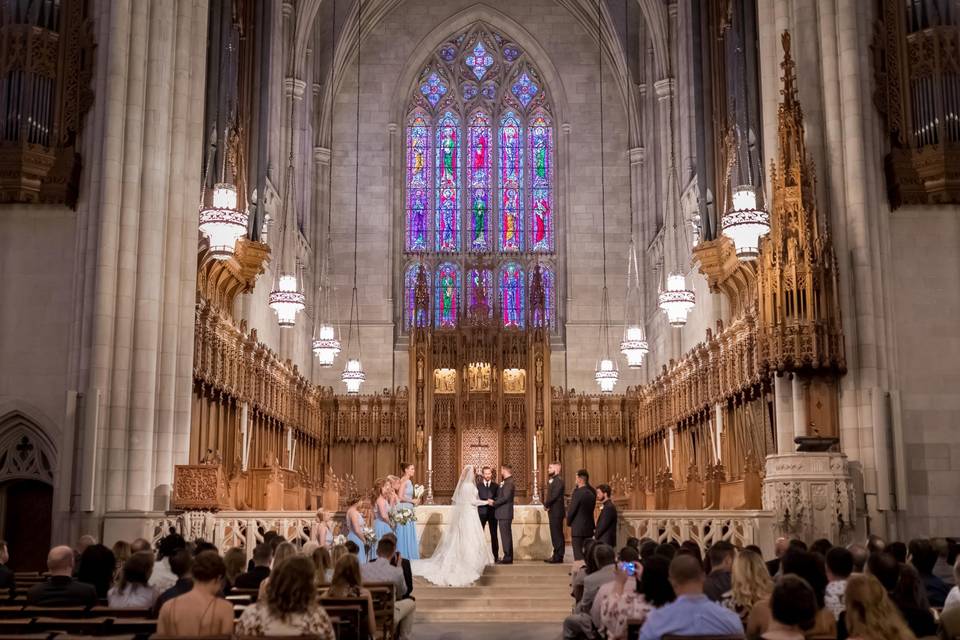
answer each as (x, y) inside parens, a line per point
(821, 546)
(262, 557)
(407, 543)
(553, 504)
(162, 577)
(666, 550)
(384, 568)
(180, 563)
(337, 552)
(580, 513)
(692, 613)
(83, 542)
(585, 569)
(652, 591)
(839, 567)
(949, 624)
(870, 614)
(356, 525)
(923, 557)
(811, 568)
(910, 596)
(859, 553)
(898, 550)
(953, 598)
(290, 605)
(628, 556)
(199, 612)
(579, 624)
(96, 567)
(8, 579)
(323, 528)
(718, 582)
(283, 551)
(648, 548)
(60, 588)
(321, 564)
(793, 606)
(750, 583)
(121, 553)
(779, 548)
(606, 527)
(133, 590)
(140, 544)
(347, 582)
(233, 560)
(405, 566)
(354, 550)
(875, 544)
(942, 567)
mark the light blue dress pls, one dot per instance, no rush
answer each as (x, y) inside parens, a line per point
(358, 539)
(380, 528)
(407, 543)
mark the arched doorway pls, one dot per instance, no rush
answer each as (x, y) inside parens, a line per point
(27, 463)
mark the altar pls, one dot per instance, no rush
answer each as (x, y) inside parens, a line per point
(531, 530)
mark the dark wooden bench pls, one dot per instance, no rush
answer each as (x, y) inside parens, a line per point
(351, 614)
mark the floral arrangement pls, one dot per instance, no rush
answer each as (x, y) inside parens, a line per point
(369, 536)
(340, 539)
(402, 515)
(418, 491)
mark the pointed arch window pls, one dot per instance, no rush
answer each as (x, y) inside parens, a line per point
(479, 182)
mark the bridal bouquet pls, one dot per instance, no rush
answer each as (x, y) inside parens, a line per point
(418, 491)
(340, 539)
(369, 536)
(402, 515)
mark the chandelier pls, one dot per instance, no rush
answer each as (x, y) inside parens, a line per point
(607, 373)
(287, 300)
(676, 300)
(222, 224)
(634, 344)
(745, 223)
(353, 375)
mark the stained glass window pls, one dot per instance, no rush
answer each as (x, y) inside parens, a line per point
(419, 163)
(446, 297)
(479, 179)
(479, 193)
(512, 288)
(541, 183)
(511, 176)
(411, 316)
(448, 183)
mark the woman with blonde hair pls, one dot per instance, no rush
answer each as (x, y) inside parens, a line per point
(122, 551)
(355, 525)
(235, 563)
(870, 613)
(348, 583)
(321, 562)
(749, 584)
(289, 606)
(323, 527)
(283, 551)
(382, 508)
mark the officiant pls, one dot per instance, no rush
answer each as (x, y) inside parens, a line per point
(488, 490)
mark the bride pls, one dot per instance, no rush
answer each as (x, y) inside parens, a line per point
(463, 552)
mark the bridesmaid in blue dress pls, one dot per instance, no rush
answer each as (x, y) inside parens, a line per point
(355, 525)
(323, 529)
(407, 543)
(381, 513)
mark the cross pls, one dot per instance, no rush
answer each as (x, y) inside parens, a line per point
(478, 446)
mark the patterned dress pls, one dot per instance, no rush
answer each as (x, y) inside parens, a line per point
(358, 539)
(407, 543)
(257, 620)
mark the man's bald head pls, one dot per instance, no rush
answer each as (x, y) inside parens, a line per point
(60, 561)
(686, 574)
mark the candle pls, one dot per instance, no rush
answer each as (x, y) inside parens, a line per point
(430, 452)
(534, 450)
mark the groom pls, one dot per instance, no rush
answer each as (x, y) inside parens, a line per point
(503, 512)
(487, 489)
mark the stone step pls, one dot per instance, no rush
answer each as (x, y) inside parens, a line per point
(493, 591)
(494, 605)
(485, 616)
(541, 569)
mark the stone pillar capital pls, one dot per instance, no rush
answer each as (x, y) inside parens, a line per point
(317, 89)
(637, 155)
(664, 88)
(565, 128)
(287, 8)
(321, 155)
(393, 128)
(294, 87)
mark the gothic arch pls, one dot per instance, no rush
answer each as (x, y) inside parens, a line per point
(26, 452)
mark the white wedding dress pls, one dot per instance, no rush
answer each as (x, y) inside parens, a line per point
(463, 551)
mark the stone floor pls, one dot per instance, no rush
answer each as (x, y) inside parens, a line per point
(487, 631)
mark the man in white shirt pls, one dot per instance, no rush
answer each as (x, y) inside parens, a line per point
(839, 567)
(384, 569)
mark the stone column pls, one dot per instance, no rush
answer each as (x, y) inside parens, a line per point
(321, 207)
(801, 411)
(783, 402)
(672, 261)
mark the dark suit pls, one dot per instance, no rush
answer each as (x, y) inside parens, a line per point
(251, 579)
(503, 512)
(487, 519)
(62, 591)
(554, 506)
(580, 517)
(606, 531)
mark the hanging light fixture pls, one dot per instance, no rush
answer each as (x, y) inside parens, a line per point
(353, 375)
(675, 299)
(745, 223)
(607, 372)
(634, 345)
(326, 343)
(222, 223)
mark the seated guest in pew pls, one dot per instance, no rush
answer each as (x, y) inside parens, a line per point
(870, 613)
(719, 581)
(199, 612)
(121, 553)
(180, 564)
(133, 590)
(404, 565)
(60, 589)
(281, 552)
(262, 556)
(290, 607)
(793, 607)
(579, 624)
(347, 582)
(810, 567)
(321, 564)
(162, 577)
(97, 567)
(652, 591)
(384, 569)
(627, 554)
(234, 560)
(8, 581)
(692, 613)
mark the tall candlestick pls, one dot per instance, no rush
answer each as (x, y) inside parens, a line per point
(430, 452)
(534, 450)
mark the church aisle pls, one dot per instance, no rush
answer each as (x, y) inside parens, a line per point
(522, 592)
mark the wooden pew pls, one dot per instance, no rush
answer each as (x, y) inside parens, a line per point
(352, 612)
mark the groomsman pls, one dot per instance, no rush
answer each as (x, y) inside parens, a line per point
(580, 514)
(554, 507)
(607, 520)
(488, 490)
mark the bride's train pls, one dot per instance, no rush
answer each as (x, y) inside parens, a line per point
(463, 552)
